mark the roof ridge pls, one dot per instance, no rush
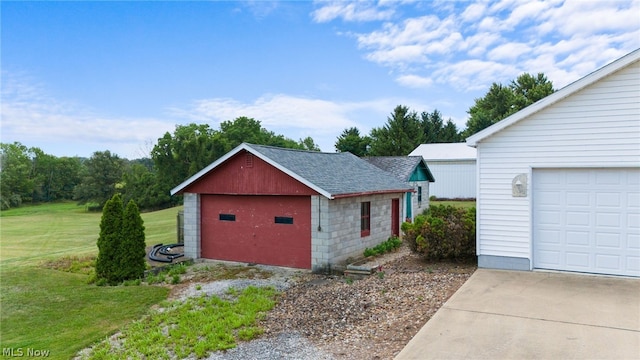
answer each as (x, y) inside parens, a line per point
(291, 149)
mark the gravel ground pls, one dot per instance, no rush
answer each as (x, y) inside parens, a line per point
(332, 317)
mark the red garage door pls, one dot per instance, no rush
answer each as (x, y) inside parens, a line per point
(272, 230)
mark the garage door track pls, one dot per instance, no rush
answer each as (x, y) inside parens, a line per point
(534, 315)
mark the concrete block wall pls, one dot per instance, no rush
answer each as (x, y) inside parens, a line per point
(192, 225)
(320, 234)
(344, 225)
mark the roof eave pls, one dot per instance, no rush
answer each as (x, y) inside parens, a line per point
(213, 165)
(247, 147)
(375, 192)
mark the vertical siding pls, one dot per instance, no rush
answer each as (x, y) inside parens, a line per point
(598, 126)
(454, 179)
(245, 173)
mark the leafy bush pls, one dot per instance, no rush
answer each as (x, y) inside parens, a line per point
(384, 247)
(443, 232)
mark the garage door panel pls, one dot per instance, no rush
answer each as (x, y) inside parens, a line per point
(257, 234)
(608, 240)
(587, 220)
(577, 260)
(580, 238)
(549, 217)
(609, 200)
(608, 220)
(578, 199)
(578, 218)
(608, 263)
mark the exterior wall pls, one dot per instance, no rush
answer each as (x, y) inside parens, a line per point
(192, 225)
(454, 179)
(598, 126)
(247, 174)
(320, 234)
(418, 207)
(344, 225)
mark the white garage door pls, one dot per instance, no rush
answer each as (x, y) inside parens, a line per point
(587, 220)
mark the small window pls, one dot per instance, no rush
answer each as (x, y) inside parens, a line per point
(419, 194)
(227, 217)
(284, 220)
(249, 160)
(365, 219)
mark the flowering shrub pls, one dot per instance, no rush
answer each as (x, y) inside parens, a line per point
(443, 232)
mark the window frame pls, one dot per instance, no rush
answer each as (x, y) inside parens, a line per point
(365, 218)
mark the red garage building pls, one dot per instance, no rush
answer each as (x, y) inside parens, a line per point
(302, 209)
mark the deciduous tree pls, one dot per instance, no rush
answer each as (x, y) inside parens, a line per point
(101, 174)
(501, 101)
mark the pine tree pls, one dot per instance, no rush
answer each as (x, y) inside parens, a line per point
(132, 247)
(107, 263)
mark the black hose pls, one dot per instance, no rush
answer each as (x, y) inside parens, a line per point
(164, 250)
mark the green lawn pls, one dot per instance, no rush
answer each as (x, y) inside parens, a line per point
(465, 204)
(31, 234)
(45, 309)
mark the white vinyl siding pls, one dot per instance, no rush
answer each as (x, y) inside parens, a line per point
(598, 126)
(454, 179)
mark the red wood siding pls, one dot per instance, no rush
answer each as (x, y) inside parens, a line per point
(254, 237)
(247, 174)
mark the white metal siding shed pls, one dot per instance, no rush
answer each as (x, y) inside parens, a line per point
(453, 166)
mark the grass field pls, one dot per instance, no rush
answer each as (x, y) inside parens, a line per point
(55, 311)
(464, 203)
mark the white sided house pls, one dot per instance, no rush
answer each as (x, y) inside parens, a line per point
(453, 165)
(559, 181)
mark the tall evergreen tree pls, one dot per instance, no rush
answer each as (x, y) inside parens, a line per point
(132, 251)
(108, 262)
(399, 136)
(351, 141)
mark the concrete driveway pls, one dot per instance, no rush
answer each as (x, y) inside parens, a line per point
(534, 315)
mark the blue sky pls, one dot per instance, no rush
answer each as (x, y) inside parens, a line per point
(79, 77)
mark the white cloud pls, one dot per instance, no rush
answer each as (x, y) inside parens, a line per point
(358, 11)
(298, 117)
(471, 45)
(30, 115)
(414, 81)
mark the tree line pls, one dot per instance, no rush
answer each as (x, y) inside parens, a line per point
(28, 175)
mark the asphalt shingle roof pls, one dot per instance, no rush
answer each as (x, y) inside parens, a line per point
(336, 173)
(400, 166)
